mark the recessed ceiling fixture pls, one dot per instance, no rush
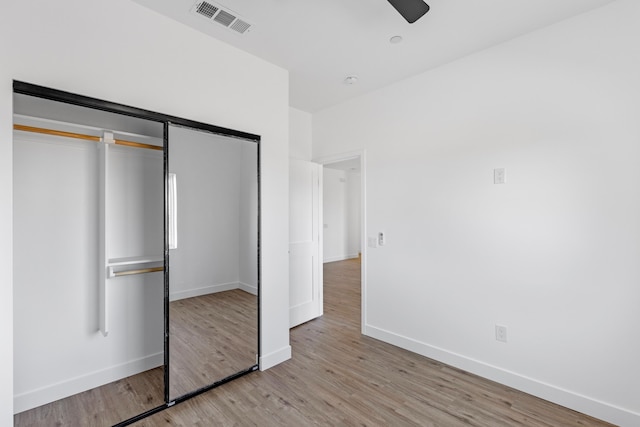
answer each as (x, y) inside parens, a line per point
(395, 39)
(350, 80)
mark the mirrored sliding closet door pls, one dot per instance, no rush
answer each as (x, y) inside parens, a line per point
(213, 258)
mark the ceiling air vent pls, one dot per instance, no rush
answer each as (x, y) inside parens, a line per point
(224, 18)
(240, 26)
(220, 15)
(206, 9)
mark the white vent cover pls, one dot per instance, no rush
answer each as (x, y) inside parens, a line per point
(220, 15)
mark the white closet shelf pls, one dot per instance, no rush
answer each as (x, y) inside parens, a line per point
(134, 265)
(145, 259)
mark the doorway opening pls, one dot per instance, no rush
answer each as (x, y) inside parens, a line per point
(344, 221)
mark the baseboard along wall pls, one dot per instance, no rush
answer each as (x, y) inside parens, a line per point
(190, 293)
(551, 393)
(50, 393)
(275, 358)
(340, 258)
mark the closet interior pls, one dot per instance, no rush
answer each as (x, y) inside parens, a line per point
(136, 259)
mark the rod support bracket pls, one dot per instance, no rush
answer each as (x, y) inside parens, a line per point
(107, 138)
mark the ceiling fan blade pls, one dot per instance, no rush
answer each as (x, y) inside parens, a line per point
(411, 10)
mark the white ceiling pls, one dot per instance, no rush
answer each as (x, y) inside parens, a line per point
(322, 42)
(351, 165)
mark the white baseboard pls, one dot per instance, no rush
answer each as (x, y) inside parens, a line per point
(339, 258)
(275, 358)
(252, 289)
(174, 296)
(50, 393)
(566, 398)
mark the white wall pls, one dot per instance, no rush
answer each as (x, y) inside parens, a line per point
(122, 52)
(217, 180)
(334, 215)
(553, 253)
(341, 214)
(56, 318)
(353, 214)
(300, 133)
(248, 248)
(207, 169)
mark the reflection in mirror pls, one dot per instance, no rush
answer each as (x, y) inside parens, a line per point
(213, 268)
(79, 213)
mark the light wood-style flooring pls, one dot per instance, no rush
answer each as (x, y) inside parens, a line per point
(212, 337)
(337, 377)
(101, 406)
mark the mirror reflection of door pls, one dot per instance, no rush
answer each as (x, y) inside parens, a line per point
(69, 369)
(213, 258)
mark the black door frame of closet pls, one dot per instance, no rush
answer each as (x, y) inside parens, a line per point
(30, 89)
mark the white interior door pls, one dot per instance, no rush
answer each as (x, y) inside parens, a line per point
(305, 262)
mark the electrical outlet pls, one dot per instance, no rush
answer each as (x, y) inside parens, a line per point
(501, 333)
(499, 176)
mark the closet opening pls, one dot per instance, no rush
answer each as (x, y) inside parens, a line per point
(104, 312)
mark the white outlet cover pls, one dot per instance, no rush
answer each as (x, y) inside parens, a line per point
(501, 333)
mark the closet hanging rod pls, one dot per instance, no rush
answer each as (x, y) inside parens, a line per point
(83, 136)
(140, 271)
